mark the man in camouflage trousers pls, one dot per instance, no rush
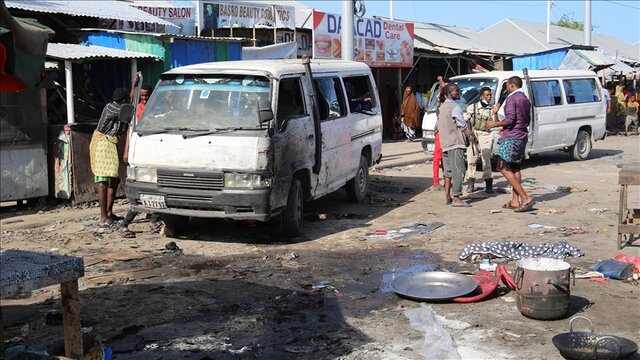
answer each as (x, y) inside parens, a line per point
(478, 115)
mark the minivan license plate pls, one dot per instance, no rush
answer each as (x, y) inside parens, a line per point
(153, 201)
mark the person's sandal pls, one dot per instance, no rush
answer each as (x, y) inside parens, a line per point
(107, 224)
(524, 207)
(126, 233)
(509, 205)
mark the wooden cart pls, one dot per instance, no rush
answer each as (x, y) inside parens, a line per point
(628, 218)
(24, 271)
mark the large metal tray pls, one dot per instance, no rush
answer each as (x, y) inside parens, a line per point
(433, 285)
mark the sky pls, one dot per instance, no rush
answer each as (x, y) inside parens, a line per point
(619, 18)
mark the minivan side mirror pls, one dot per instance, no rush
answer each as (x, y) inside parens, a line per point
(265, 113)
(126, 113)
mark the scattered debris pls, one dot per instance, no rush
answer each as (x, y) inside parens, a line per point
(566, 231)
(438, 344)
(565, 189)
(554, 211)
(496, 211)
(171, 246)
(589, 275)
(596, 211)
(615, 269)
(407, 231)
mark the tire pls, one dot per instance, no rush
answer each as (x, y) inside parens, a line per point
(358, 187)
(176, 224)
(581, 149)
(291, 217)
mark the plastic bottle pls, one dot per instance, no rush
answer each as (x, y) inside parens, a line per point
(488, 266)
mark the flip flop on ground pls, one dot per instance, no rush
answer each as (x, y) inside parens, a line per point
(461, 204)
(509, 205)
(524, 207)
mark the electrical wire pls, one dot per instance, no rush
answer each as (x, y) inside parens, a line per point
(625, 5)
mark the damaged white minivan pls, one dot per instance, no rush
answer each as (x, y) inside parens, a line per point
(250, 140)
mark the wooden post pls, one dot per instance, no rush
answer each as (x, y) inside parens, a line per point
(71, 320)
(254, 36)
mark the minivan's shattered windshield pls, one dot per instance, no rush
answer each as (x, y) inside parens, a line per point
(205, 103)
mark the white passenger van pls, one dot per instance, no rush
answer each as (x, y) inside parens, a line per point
(569, 109)
(249, 140)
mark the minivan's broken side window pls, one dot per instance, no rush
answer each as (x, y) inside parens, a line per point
(581, 90)
(290, 100)
(330, 98)
(546, 92)
(359, 92)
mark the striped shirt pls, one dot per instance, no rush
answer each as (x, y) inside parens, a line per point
(109, 123)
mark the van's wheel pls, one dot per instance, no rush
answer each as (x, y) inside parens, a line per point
(358, 187)
(581, 149)
(174, 224)
(291, 217)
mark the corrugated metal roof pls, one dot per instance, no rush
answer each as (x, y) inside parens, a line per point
(449, 39)
(105, 9)
(588, 60)
(92, 52)
(524, 37)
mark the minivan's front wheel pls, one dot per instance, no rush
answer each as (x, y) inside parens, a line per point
(581, 149)
(358, 187)
(174, 224)
(291, 217)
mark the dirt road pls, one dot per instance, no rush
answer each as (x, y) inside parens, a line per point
(233, 291)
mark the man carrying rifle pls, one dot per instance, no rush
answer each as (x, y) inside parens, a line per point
(478, 114)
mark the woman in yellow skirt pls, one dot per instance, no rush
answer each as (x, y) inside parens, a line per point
(103, 151)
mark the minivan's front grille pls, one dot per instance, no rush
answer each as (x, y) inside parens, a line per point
(190, 180)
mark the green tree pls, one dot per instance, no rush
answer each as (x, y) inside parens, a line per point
(569, 22)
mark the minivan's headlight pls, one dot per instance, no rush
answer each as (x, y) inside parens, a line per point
(251, 181)
(149, 175)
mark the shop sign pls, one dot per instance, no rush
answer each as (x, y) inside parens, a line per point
(378, 43)
(220, 14)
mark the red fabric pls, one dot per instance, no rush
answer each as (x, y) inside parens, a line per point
(8, 82)
(437, 159)
(139, 110)
(635, 260)
(488, 283)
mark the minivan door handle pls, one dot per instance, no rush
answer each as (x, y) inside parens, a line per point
(310, 137)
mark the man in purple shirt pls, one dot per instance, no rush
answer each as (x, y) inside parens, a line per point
(512, 142)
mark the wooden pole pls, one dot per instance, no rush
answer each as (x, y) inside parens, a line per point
(71, 320)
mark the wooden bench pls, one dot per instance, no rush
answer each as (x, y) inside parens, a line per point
(24, 271)
(628, 218)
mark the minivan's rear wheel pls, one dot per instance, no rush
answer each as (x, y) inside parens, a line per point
(581, 149)
(291, 217)
(174, 224)
(358, 187)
